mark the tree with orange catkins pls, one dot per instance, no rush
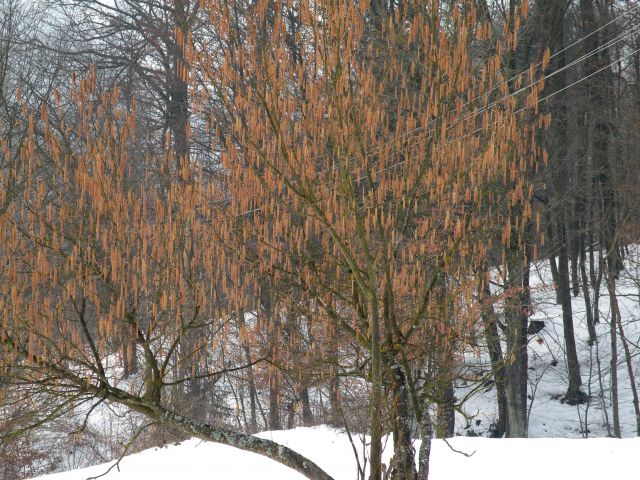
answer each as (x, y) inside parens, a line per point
(361, 144)
(96, 258)
(366, 139)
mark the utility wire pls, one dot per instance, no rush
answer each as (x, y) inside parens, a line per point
(429, 127)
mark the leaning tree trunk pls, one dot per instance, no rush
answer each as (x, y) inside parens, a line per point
(268, 448)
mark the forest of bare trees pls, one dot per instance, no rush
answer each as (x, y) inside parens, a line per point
(225, 216)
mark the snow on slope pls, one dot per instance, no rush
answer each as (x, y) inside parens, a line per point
(494, 459)
(548, 378)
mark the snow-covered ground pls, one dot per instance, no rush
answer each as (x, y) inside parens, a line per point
(492, 459)
(548, 378)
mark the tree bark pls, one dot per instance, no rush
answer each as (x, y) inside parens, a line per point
(632, 380)
(267, 448)
(574, 394)
(376, 389)
(492, 337)
(426, 432)
(615, 407)
(403, 461)
(516, 362)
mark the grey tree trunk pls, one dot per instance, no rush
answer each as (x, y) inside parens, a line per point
(516, 361)
(403, 460)
(426, 433)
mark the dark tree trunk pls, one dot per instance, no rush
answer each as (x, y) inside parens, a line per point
(251, 381)
(615, 408)
(131, 366)
(593, 338)
(307, 414)
(492, 336)
(446, 412)
(632, 380)
(178, 94)
(274, 401)
(516, 362)
(574, 394)
(334, 400)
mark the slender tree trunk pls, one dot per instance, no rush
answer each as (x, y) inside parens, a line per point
(632, 380)
(291, 414)
(270, 316)
(596, 281)
(490, 322)
(251, 381)
(274, 400)
(335, 417)
(555, 276)
(376, 386)
(131, 366)
(178, 95)
(574, 393)
(615, 409)
(593, 338)
(426, 433)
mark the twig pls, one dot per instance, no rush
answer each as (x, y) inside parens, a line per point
(127, 446)
(468, 455)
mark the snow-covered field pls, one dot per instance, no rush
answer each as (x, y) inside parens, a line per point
(492, 459)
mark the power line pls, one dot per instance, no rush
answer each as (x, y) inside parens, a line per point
(427, 128)
(595, 51)
(510, 80)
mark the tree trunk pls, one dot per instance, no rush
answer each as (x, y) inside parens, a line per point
(177, 101)
(335, 417)
(403, 461)
(490, 322)
(516, 362)
(632, 380)
(376, 391)
(574, 394)
(426, 432)
(268, 448)
(446, 412)
(307, 414)
(251, 381)
(615, 409)
(274, 400)
(593, 337)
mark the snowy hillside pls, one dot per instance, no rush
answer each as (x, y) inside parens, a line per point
(494, 459)
(548, 378)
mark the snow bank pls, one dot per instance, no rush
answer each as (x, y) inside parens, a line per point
(494, 459)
